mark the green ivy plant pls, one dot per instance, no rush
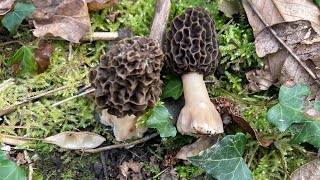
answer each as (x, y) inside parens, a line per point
(13, 19)
(9, 170)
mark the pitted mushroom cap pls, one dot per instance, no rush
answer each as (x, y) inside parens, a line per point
(192, 43)
(127, 80)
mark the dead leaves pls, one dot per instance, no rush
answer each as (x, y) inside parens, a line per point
(310, 171)
(68, 19)
(5, 6)
(296, 22)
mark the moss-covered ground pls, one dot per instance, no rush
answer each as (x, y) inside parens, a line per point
(238, 56)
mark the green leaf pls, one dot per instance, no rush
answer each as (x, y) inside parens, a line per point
(306, 132)
(24, 56)
(159, 119)
(317, 2)
(17, 57)
(9, 170)
(290, 108)
(13, 19)
(173, 87)
(224, 161)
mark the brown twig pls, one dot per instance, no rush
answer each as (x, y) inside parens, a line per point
(11, 42)
(142, 140)
(104, 165)
(26, 155)
(18, 127)
(274, 33)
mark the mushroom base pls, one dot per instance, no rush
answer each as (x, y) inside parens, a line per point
(198, 116)
(123, 128)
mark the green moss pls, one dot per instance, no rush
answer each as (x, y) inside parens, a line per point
(188, 172)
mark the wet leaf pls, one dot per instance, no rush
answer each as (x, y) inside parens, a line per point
(9, 170)
(76, 140)
(224, 161)
(159, 118)
(25, 57)
(13, 19)
(172, 88)
(309, 171)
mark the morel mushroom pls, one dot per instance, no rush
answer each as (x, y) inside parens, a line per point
(127, 82)
(192, 52)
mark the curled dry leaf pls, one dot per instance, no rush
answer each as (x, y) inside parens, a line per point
(127, 165)
(230, 110)
(297, 23)
(68, 19)
(76, 140)
(13, 140)
(43, 54)
(310, 171)
(97, 5)
(5, 6)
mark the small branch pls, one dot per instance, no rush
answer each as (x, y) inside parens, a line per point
(274, 33)
(139, 141)
(70, 52)
(11, 42)
(72, 97)
(26, 155)
(18, 127)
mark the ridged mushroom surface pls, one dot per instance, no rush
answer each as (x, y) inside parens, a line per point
(192, 43)
(127, 79)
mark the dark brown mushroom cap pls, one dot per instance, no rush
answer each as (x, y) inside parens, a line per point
(127, 80)
(192, 43)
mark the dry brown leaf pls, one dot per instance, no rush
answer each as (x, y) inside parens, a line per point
(127, 165)
(195, 148)
(6, 6)
(76, 140)
(309, 171)
(297, 23)
(97, 5)
(43, 54)
(68, 19)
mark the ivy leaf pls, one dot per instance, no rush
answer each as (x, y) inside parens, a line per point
(9, 170)
(159, 119)
(24, 56)
(306, 132)
(317, 2)
(224, 161)
(13, 19)
(173, 87)
(290, 108)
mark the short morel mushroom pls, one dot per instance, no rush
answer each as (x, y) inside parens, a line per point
(192, 53)
(127, 80)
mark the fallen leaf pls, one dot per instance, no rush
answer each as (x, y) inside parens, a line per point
(169, 175)
(309, 171)
(68, 19)
(230, 7)
(97, 5)
(297, 23)
(13, 19)
(76, 140)
(5, 6)
(43, 54)
(195, 148)
(228, 108)
(21, 160)
(224, 161)
(127, 165)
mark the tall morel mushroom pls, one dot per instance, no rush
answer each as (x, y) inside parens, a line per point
(192, 53)
(127, 80)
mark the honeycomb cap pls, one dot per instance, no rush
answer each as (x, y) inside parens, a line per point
(127, 79)
(192, 44)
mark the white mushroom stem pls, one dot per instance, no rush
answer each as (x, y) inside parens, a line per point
(123, 128)
(198, 116)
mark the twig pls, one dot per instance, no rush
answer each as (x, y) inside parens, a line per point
(142, 140)
(70, 52)
(72, 97)
(95, 36)
(263, 105)
(18, 127)
(11, 42)
(26, 155)
(273, 32)
(225, 27)
(166, 169)
(83, 89)
(104, 165)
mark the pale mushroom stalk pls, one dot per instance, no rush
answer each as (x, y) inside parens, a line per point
(198, 116)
